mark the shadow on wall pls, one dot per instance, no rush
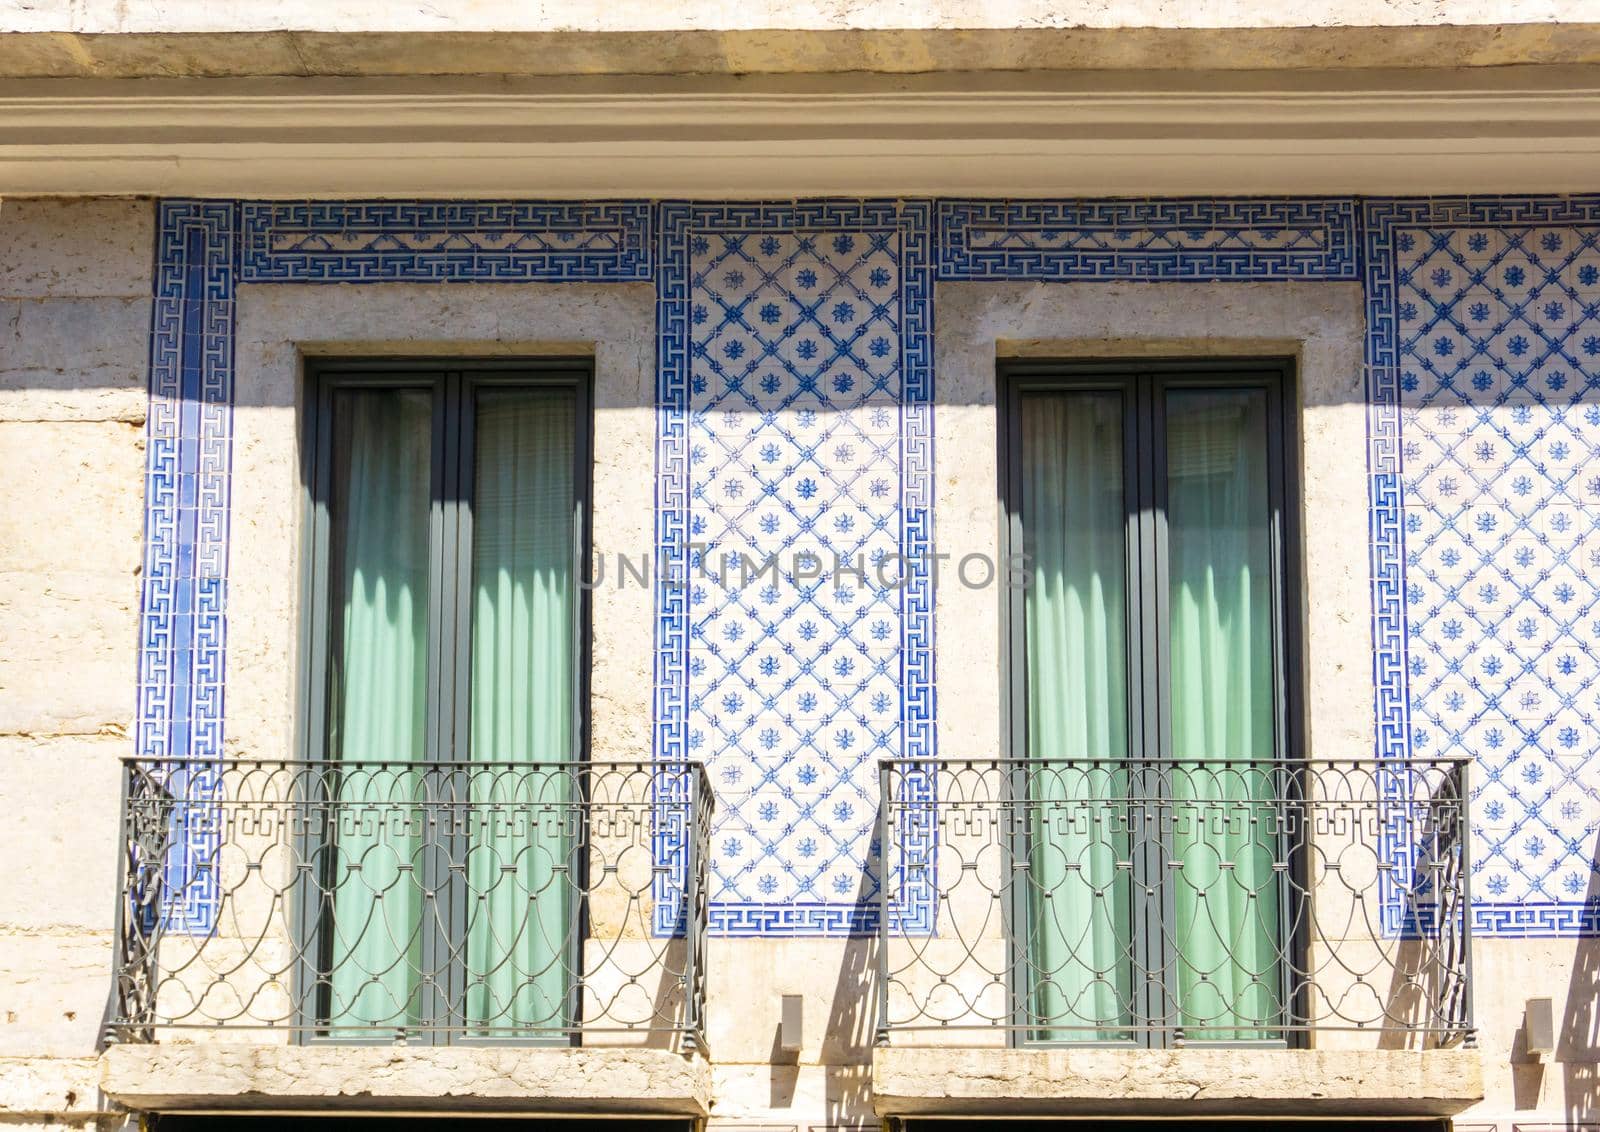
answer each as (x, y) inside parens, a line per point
(1578, 1040)
(1427, 985)
(846, 1046)
(668, 1006)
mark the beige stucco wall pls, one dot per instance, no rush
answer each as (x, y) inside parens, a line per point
(74, 329)
(116, 38)
(74, 281)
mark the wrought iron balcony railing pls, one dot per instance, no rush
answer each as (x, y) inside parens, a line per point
(1165, 902)
(400, 902)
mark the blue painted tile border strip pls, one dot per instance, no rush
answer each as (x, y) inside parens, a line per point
(1177, 239)
(383, 241)
(203, 249)
(183, 601)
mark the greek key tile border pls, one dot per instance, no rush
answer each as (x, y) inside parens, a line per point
(378, 241)
(189, 454)
(1178, 239)
(680, 224)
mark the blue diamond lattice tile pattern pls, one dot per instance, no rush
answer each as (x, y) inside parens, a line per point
(1485, 323)
(795, 410)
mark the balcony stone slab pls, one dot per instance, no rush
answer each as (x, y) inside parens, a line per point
(907, 1081)
(533, 1081)
(55, 1087)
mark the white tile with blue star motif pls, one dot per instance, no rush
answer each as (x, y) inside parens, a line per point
(1498, 388)
(796, 327)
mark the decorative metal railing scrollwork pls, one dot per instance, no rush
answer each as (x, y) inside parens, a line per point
(1167, 902)
(405, 902)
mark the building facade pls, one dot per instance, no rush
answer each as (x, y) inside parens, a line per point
(791, 569)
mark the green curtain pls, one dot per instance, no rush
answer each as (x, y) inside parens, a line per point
(1226, 924)
(378, 704)
(521, 928)
(1074, 521)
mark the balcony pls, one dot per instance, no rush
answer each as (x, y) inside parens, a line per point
(1104, 936)
(526, 937)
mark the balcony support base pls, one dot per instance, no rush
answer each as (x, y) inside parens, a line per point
(917, 1081)
(234, 1076)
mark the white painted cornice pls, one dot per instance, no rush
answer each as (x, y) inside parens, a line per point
(1088, 133)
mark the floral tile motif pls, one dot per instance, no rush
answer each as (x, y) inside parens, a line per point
(794, 452)
(1485, 324)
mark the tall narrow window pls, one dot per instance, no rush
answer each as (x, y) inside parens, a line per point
(1150, 699)
(443, 694)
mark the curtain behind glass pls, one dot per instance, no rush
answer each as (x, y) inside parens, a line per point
(1226, 929)
(379, 512)
(522, 928)
(1074, 523)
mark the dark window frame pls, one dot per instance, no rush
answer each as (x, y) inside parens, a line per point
(453, 383)
(1142, 384)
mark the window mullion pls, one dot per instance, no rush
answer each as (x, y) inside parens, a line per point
(1155, 670)
(453, 694)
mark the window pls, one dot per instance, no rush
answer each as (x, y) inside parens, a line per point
(444, 691)
(1151, 698)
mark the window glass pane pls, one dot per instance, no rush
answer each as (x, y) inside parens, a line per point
(1074, 516)
(521, 931)
(378, 705)
(1226, 931)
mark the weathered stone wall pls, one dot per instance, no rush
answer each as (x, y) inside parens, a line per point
(643, 15)
(74, 331)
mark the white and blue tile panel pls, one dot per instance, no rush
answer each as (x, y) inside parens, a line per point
(795, 346)
(380, 241)
(1173, 240)
(795, 415)
(1484, 356)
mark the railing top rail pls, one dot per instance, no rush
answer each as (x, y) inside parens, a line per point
(1145, 760)
(575, 765)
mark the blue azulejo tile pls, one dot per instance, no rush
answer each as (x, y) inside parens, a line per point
(794, 337)
(1489, 419)
(445, 241)
(1157, 240)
